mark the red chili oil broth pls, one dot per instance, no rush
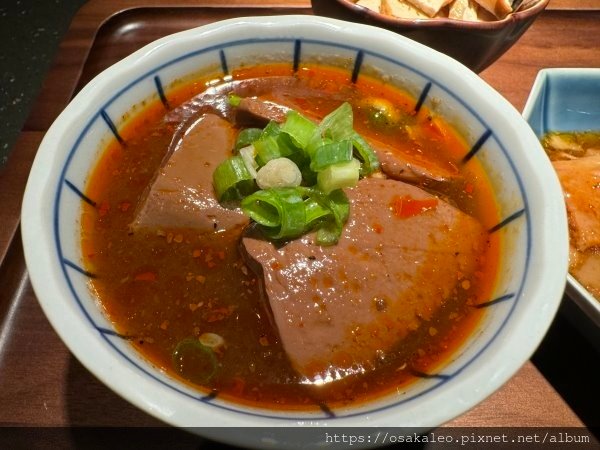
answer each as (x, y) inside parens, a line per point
(160, 288)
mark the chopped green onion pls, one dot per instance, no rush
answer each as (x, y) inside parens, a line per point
(340, 206)
(248, 154)
(331, 230)
(309, 177)
(232, 180)
(315, 143)
(273, 143)
(234, 100)
(268, 148)
(280, 211)
(337, 176)
(267, 145)
(370, 162)
(328, 234)
(247, 137)
(329, 154)
(299, 128)
(315, 212)
(336, 202)
(272, 129)
(288, 148)
(194, 361)
(213, 341)
(287, 213)
(338, 124)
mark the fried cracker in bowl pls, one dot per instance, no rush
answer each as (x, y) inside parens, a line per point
(475, 32)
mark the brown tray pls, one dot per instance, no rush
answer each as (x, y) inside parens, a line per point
(42, 384)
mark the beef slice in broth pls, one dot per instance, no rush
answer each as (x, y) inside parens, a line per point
(181, 194)
(414, 169)
(339, 307)
(270, 98)
(216, 100)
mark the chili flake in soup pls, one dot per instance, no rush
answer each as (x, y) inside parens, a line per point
(205, 297)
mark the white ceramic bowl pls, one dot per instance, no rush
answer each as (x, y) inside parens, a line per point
(533, 266)
(568, 99)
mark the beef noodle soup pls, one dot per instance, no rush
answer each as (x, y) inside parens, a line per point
(366, 278)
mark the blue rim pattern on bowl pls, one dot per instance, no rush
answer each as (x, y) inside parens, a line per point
(360, 53)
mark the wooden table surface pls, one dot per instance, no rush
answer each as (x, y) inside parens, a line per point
(41, 382)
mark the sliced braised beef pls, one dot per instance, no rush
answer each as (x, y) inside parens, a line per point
(181, 195)
(394, 163)
(215, 100)
(252, 110)
(579, 179)
(582, 199)
(271, 98)
(412, 169)
(403, 252)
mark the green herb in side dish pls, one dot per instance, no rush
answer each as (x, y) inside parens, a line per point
(330, 156)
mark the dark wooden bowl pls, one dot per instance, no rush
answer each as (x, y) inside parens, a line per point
(475, 44)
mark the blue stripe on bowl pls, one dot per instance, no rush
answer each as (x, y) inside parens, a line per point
(327, 410)
(211, 396)
(113, 333)
(508, 220)
(297, 54)
(161, 91)
(495, 301)
(84, 197)
(223, 59)
(477, 146)
(422, 97)
(360, 53)
(360, 56)
(440, 376)
(111, 125)
(75, 267)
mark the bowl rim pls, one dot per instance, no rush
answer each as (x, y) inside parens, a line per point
(444, 22)
(32, 216)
